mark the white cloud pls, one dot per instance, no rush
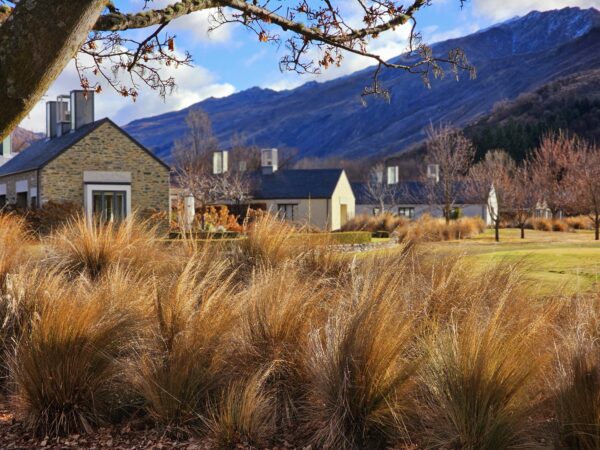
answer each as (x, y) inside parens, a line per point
(387, 45)
(497, 10)
(193, 85)
(434, 35)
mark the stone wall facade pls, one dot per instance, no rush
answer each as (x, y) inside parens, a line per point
(106, 149)
(11, 184)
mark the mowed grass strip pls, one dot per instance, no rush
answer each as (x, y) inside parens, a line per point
(554, 261)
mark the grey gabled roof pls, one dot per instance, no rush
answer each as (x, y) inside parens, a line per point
(41, 152)
(301, 183)
(413, 193)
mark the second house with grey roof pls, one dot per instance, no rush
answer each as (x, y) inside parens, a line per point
(94, 164)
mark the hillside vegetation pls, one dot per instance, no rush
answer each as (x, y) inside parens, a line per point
(571, 104)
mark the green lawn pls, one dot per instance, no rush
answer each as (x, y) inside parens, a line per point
(553, 261)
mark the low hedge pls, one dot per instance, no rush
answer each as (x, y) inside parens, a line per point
(205, 235)
(335, 238)
(352, 237)
(382, 234)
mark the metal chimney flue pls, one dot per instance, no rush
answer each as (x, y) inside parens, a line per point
(51, 120)
(433, 172)
(82, 108)
(220, 162)
(63, 115)
(269, 160)
(393, 174)
(6, 148)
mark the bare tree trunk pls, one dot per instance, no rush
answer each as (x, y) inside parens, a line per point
(597, 227)
(523, 230)
(36, 43)
(497, 229)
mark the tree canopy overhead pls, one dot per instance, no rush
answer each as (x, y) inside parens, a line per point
(39, 37)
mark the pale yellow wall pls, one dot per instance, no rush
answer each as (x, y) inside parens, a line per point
(315, 209)
(341, 195)
(322, 213)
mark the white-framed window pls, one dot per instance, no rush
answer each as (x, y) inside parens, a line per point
(406, 211)
(109, 206)
(288, 211)
(107, 202)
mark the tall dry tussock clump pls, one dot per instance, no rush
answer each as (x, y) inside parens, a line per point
(66, 367)
(439, 288)
(387, 349)
(269, 243)
(577, 379)
(179, 369)
(429, 229)
(29, 286)
(242, 415)
(540, 224)
(560, 225)
(14, 238)
(272, 242)
(574, 223)
(482, 366)
(277, 312)
(580, 223)
(360, 367)
(82, 247)
(383, 222)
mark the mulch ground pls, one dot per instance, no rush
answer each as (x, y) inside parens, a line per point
(13, 435)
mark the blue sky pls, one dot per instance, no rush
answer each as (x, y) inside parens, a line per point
(232, 59)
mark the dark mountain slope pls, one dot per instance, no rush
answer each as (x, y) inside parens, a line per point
(22, 138)
(571, 104)
(328, 119)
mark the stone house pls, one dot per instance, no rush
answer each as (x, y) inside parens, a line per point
(95, 164)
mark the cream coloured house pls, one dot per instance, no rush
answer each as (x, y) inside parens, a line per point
(319, 197)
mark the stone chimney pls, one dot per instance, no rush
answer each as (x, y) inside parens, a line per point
(269, 160)
(220, 162)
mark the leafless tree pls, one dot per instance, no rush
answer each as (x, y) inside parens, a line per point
(377, 189)
(584, 179)
(232, 186)
(453, 153)
(550, 166)
(244, 157)
(492, 177)
(39, 37)
(193, 155)
(522, 197)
